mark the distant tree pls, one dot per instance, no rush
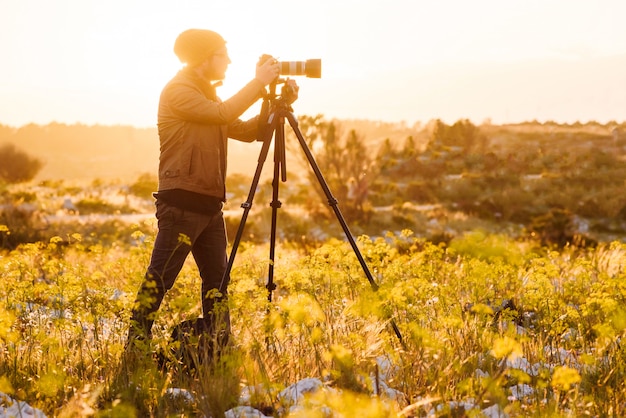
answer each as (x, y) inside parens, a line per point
(386, 149)
(387, 155)
(410, 147)
(345, 161)
(463, 134)
(17, 166)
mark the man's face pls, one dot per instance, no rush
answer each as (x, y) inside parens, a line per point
(216, 64)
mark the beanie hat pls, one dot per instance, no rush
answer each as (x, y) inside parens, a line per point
(194, 45)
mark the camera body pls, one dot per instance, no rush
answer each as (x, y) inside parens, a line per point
(311, 68)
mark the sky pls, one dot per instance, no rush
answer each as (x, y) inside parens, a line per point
(96, 62)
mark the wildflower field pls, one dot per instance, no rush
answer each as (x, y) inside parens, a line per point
(489, 326)
(497, 257)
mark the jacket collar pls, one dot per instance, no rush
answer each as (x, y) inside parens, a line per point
(208, 88)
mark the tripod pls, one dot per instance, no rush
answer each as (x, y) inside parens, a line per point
(276, 126)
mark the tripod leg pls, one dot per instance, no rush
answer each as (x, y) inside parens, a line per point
(247, 205)
(279, 168)
(332, 202)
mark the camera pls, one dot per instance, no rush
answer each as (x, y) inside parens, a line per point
(311, 68)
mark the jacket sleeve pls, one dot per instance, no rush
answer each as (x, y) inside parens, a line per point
(187, 102)
(245, 131)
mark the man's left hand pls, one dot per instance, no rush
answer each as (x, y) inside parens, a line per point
(290, 91)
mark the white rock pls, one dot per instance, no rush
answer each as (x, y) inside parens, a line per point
(10, 408)
(244, 412)
(524, 365)
(294, 393)
(494, 411)
(388, 393)
(385, 367)
(519, 392)
(466, 405)
(182, 393)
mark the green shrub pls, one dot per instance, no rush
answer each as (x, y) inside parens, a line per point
(144, 186)
(17, 166)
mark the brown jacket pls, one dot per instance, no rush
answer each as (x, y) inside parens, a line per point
(194, 126)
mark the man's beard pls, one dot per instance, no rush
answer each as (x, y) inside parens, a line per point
(211, 75)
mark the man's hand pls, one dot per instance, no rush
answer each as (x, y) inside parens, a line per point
(290, 90)
(267, 71)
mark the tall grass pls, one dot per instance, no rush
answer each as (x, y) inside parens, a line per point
(65, 304)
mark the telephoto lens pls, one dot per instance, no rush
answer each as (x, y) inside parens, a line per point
(311, 68)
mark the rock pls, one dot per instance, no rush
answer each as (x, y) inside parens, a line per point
(294, 393)
(244, 412)
(9, 407)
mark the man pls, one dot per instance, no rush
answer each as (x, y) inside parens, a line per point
(194, 125)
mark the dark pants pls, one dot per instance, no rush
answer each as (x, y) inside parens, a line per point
(181, 232)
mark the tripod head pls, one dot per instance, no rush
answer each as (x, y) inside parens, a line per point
(286, 97)
(274, 104)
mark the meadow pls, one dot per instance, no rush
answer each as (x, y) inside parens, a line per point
(495, 315)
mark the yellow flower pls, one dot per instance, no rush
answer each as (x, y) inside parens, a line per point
(184, 239)
(137, 235)
(506, 347)
(5, 385)
(564, 377)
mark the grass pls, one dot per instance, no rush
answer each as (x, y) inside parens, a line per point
(498, 309)
(65, 305)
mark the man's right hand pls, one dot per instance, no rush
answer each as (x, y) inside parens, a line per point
(267, 71)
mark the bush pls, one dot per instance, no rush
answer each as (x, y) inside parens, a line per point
(144, 186)
(97, 206)
(421, 191)
(22, 223)
(556, 228)
(17, 166)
